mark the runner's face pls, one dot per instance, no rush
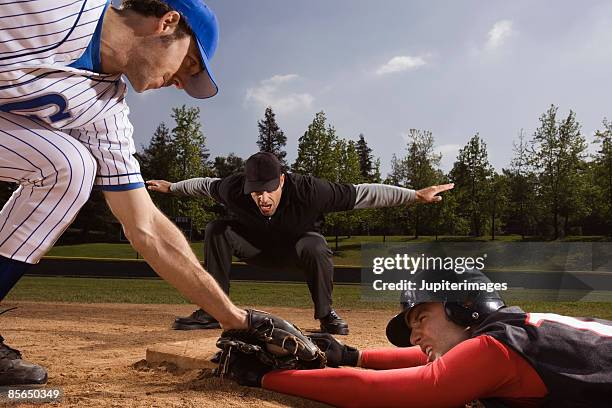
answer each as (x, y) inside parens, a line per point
(267, 201)
(432, 331)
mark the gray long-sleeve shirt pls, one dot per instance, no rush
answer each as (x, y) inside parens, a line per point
(195, 187)
(368, 195)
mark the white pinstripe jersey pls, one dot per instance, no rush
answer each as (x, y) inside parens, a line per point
(38, 40)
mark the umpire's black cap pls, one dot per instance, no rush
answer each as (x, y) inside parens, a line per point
(263, 171)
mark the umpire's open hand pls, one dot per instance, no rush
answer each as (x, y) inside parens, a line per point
(162, 186)
(429, 194)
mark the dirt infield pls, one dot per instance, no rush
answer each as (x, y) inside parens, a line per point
(95, 353)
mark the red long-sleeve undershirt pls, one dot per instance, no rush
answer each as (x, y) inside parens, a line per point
(478, 368)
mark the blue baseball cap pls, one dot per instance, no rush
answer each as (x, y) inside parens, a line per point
(205, 27)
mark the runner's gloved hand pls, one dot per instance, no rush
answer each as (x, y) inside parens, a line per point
(245, 369)
(337, 353)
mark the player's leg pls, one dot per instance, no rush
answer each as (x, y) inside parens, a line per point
(55, 174)
(222, 239)
(10, 273)
(315, 260)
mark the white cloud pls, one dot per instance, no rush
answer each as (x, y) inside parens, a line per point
(449, 155)
(500, 32)
(401, 63)
(276, 80)
(271, 92)
(448, 148)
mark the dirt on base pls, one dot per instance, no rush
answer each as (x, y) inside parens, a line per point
(95, 354)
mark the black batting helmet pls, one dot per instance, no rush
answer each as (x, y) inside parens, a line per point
(465, 307)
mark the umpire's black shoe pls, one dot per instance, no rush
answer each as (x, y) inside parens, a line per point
(333, 324)
(196, 321)
(15, 371)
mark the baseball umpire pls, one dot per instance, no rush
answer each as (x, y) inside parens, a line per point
(469, 349)
(64, 128)
(278, 220)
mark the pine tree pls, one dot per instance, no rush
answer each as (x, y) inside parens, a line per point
(157, 159)
(397, 177)
(191, 156)
(271, 138)
(521, 212)
(227, 165)
(390, 220)
(472, 174)
(449, 219)
(316, 150)
(576, 187)
(370, 169)
(376, 177)
(189, 144)
(498, 201)
(603, 175)
(557, 154)
(420, 171)
(157, 162)
(347, 171)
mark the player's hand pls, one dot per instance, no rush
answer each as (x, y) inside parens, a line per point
(337, 353)
(162, 186)
(429, 194)
(280, 337)
(245, 369)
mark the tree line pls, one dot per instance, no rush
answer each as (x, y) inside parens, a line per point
(552, 187)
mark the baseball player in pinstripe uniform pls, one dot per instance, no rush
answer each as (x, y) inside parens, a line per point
(64, 129)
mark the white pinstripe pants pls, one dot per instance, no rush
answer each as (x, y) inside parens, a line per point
(55, 173)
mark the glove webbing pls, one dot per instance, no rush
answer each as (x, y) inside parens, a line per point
(269, 335)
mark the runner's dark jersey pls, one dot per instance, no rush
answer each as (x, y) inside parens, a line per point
(573, 356)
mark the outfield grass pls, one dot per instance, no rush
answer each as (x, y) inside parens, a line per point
(93, 290)
(104, 250)
(348, 252)
(103, 290)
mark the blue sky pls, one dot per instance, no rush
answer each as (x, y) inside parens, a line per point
(381, 68)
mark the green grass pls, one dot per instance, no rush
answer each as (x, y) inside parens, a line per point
(348, 253)
(349, 248)
(103, 290)
(267, 294)
(104, 250)
(94, 290)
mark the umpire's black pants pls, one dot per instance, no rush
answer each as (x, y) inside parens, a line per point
(310, 254)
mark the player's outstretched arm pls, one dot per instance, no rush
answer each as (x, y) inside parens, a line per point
(383, 195)
(493, 370)
(161, 186)
(194, 187)
(165, 248)
(430, 194)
